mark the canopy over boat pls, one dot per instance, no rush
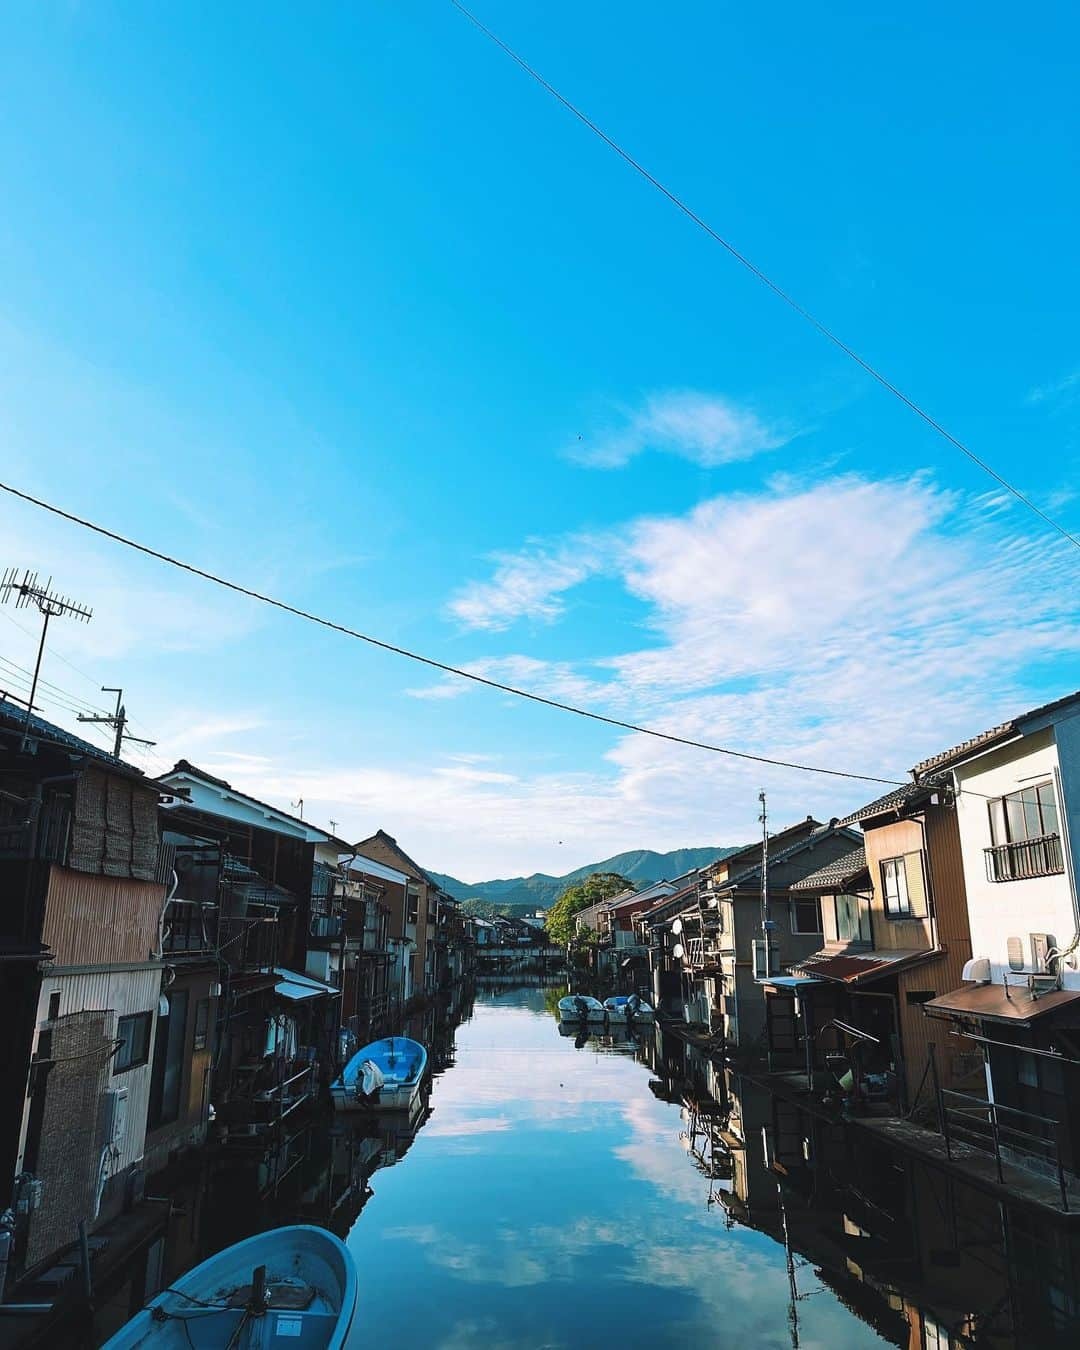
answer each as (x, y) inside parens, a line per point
(290, 1286)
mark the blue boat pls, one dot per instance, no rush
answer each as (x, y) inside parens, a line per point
(385, 1074)
(291, 1288)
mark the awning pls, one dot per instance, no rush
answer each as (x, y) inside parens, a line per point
(990, 1001)
(787, 983)
(298, 988)
(858, 968)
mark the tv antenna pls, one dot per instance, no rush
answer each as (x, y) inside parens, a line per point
(333, 826)
(50, 605)
(300, 807)
(117, 720)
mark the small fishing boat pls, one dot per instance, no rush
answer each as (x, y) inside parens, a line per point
(385, 1074)
(628, 1008)
(581, 1008)
(290, 1286)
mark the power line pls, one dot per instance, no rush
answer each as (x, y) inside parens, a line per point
(429, 660)
(765, 279)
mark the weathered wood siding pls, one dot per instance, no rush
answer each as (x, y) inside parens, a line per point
(897, 840)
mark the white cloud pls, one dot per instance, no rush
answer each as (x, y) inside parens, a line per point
(526, 585)
(707, 429)
(1067, 385)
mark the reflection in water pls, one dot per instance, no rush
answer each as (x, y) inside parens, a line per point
(560, 1188)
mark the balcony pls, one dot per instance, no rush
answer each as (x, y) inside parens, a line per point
(1025, 858)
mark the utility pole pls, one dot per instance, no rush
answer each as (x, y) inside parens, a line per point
(118, 721)
(766, 921)
(50, 606)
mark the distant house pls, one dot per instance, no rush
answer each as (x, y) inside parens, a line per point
(719, 944)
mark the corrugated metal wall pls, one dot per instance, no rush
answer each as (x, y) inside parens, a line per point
(93, 920)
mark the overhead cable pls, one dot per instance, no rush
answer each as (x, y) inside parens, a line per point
(430, 661)
(766, 280)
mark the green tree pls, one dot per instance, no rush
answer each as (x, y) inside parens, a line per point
(595, 887)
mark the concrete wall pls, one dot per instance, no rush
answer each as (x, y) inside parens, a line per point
(1003, 909)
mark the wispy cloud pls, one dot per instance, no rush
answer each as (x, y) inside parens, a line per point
(528, 585)
(707, 429)
(1067, 386)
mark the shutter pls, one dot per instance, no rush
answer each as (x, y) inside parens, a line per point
(915, 867)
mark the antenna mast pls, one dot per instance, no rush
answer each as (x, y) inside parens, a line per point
(49, 605)
(117, 720)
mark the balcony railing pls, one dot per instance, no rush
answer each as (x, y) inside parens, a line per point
(327, 927)
(190, 927)
(45, 837)
(1025, 858)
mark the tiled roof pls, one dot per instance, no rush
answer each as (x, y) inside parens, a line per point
(817, 836)
(896, 799)
(834, 875)
(15, 717)
(987, 738)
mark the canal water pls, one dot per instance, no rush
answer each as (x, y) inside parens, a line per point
(614, 1191)
(551, 1200)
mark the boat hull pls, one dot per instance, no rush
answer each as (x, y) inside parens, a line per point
(313, 1285)
(402, 1064)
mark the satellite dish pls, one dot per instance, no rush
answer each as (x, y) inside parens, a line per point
(677, 951)
(676, 927)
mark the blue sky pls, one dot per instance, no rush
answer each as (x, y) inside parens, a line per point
(338, 303)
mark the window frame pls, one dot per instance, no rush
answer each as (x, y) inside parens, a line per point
(903, 908)
(1002, 820)
(200, 1035)
(146, 1020)
(796, 929)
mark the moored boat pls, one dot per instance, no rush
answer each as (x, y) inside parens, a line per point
(581, 1008)
(628, 1008)
(385, 1074)
(289, 1286)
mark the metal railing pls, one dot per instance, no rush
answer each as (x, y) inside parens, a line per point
(1024, 858)
(1015, 1137)
(189, 927)
(44, 834)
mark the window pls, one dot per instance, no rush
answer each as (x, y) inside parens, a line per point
(934, 1335)
(1030, 813)
(806, 915)
(133, 1033)
(914, 997)
(895, 887)
(202, 1024)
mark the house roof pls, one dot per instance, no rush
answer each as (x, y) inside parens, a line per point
(184, 768)
(1002, 732)
(861, 967)
(14, 718)
(417, 872)
(780, 839)
(1017, 1007)
(834, 876)
(818, 835)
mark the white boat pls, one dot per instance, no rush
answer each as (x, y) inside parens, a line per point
(385, 1075)
(628, 1008)
(581, 1008)
(290, 1286)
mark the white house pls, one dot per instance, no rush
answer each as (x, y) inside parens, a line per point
(1018, 810)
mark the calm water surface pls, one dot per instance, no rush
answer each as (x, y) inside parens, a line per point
(551, 1199)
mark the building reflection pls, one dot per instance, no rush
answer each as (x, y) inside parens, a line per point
(928, 1259)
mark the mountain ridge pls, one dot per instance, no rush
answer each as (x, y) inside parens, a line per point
(540, 890)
